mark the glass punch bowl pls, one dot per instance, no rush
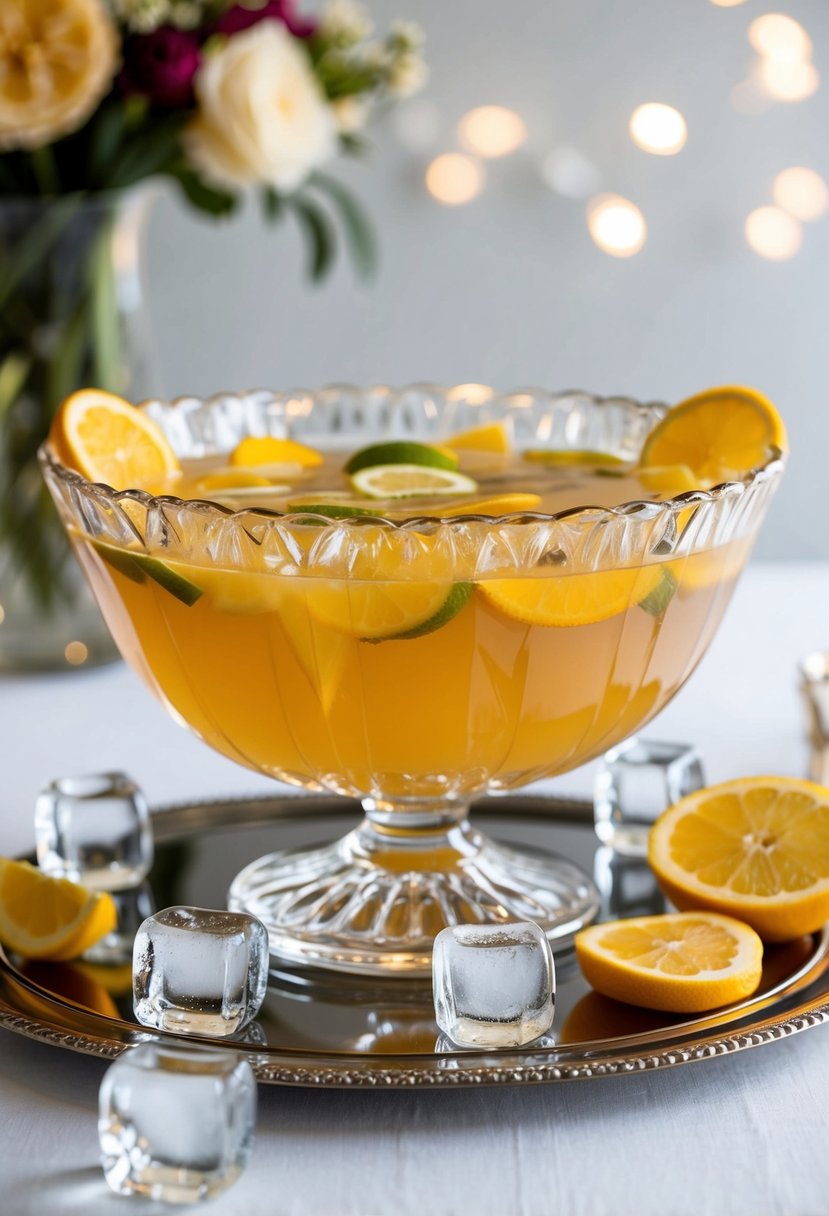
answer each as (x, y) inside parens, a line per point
(268, 661)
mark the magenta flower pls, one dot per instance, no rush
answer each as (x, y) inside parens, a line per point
(241, 18)
(160, 66)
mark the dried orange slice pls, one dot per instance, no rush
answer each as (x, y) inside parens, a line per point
(756, 848)
(682, 963)
(107, 439)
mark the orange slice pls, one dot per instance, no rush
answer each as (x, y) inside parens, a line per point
(43, 917)
(756, 848)
(571, 599)
(107, 439)
(254, 452)
(490, 437)
(683, 963)
(718, 434)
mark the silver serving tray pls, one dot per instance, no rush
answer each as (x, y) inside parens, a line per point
(321, 1029)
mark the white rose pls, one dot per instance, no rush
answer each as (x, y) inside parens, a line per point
(262, 117)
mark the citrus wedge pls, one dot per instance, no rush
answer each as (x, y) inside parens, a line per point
(668, 479)
(254, 452)
(718, 434)
(499, 504)
(410, 481)
(231, 479)
(683, 963)
(490, 437)
(573, 599)
(43, 917)
(405, 452)
(380, 610)
(756, 848)
(574, 458)
(107, 439)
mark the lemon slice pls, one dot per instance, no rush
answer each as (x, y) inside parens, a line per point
(718, 434)
(107, 439)
(255, 451)
(499, 504)
(571, 599)
(683, 963)
(574, 457)
(231, 479)
(756, 848)
(491, 437)
(43, 917)
(410, 481)
(668, 479)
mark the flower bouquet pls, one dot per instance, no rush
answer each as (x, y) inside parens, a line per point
(226, 98)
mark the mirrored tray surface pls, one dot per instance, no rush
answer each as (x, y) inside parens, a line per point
(326, 1029)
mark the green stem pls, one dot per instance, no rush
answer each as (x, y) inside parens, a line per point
(103, 307)
(45, 169)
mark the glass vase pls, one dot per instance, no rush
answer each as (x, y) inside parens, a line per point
(71, 316)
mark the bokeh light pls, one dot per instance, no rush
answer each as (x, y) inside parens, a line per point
(777, 36)
(616, 225)
(492, 131)
(727, 3)
(454, 179)
(76, 653)
(569, 172)
(773, 233)
(802, 192)
(785, 81)
(658, 128)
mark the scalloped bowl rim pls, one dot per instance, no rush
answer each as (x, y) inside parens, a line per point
(771, 469)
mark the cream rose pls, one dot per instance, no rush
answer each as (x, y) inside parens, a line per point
(262, 117)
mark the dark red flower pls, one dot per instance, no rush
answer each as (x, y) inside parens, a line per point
(240, 17)
(160, 66)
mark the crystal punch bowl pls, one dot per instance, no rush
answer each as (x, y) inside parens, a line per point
(550, 637)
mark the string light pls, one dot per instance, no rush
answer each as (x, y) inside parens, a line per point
(76, 653)
(616, 225)
(454, 179)
(492, 131)
(569, 172)
(785, 81)
(802, 192)
(776, 36)
(773, 233)
(658, 128)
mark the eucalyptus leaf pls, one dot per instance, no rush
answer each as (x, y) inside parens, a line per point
(360, 234)
(319, 234)
(206, 198)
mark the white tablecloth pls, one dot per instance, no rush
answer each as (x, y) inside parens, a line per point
(738, 1136)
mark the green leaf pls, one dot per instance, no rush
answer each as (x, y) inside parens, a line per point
(14, 371)
(107, 132)
(35, 245)
(273, 205)
(319, 235)
(361, 237)
(63, 372)
(152, 151)
(206, 198)
(106, 334)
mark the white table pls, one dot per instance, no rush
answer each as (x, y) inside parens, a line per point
(727, 1137)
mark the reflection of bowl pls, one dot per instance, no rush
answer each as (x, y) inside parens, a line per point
(246, 625)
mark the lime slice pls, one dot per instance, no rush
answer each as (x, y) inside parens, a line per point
(657, 600)
(331, 510)
(574, 457)
(140, 566)
(451, 606)
(377, 609)
(406, 452)
(411, 481)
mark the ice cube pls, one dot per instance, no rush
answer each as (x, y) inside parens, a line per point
(199, 970)
(95, 830)
(637, 781)
(176, 1123)
(493, 985)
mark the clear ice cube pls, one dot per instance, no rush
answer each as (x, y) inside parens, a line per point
(199, 971)
(176, 1123)
(95, 830)
(493, 986)
(637, 781)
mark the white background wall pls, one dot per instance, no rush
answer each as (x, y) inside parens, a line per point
(510, 289)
